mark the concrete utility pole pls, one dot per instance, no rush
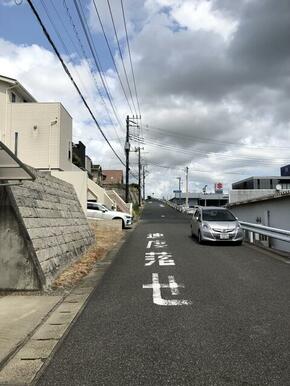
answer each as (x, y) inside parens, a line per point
(139, 176)
(186, 186)
(179, 189)
(129, 123)
(204, 192)
(143, 182)
(127, 151)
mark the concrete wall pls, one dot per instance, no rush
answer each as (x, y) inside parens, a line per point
(96, 192)
(54, 225)
(274, 213)
(248, 194)
(18, 268)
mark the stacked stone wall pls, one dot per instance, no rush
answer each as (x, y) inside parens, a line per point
(55, 222)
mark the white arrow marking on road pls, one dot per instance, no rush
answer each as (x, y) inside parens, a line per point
(157, 298)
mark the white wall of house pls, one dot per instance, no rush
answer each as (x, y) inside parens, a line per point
(44, 134)
(43, 130)
(79, 180)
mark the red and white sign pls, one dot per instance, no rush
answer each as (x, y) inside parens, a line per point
(219, 187)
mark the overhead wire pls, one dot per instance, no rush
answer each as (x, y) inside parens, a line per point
(121, 55)
(226, 157)
(47, 35)
(209, 140)
(87, 61)
(130, 58)
(95, 56)
(112, 56)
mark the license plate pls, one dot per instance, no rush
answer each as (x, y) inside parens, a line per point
(224, 237)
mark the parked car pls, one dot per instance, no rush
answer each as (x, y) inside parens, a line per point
(96, 210)
(216, 224)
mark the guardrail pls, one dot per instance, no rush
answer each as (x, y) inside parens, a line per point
(275, 233)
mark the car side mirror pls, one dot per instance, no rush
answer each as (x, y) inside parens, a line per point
(104, 210)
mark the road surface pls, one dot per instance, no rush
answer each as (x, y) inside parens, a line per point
(172, 312)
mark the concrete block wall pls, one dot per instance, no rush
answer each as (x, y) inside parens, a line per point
(54, 221)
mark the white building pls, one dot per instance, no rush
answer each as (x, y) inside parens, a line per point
(38, 133)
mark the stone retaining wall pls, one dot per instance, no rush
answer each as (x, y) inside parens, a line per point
(54, 223)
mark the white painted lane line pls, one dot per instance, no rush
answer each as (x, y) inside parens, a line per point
(161, 206)
(162, 215)
(156, 287)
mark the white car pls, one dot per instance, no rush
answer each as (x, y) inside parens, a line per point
(96, 210)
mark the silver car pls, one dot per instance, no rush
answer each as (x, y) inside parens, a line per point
(216, 224)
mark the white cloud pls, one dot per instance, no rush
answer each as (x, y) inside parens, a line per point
(218, 88)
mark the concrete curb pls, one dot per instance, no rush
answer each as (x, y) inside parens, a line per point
(26, 364)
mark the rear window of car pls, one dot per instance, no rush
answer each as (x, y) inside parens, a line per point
(92, 205)
(217, 215)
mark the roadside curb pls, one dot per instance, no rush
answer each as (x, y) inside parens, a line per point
(280, 256)
(27, 362)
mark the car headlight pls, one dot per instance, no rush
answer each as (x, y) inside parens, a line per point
(206, 226)
(129, 217)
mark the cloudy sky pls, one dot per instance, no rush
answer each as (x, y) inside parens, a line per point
(212, 76)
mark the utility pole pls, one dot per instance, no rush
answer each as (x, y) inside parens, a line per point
(143, 182)
(139, 176)
(179, 189)
(127, 151)
(204, 192)
(129, 123)
(186, 186)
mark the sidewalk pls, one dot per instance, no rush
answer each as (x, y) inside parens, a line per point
(19, 316)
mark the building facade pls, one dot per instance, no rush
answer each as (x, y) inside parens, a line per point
(38, 133)
(113, 177)
(209, 199)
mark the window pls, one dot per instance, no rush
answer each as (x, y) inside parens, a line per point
(13, 97)
(217, 215)
(69, 151)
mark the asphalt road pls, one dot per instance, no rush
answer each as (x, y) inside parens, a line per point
(228, 325)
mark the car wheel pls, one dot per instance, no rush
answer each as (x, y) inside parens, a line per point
(199, 237)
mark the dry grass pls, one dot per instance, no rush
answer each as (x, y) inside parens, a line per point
(107, 237)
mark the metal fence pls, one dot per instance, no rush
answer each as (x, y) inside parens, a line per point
(274, 233)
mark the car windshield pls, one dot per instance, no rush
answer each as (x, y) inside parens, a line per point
(217, 215)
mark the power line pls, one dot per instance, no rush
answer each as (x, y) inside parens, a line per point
(112, 56)
(209, 140)
(83, 51)
(232, 158)
(71, 78)
(120, 52)
(193, 170)
(95, 56)
(130, 57)
(87, 64)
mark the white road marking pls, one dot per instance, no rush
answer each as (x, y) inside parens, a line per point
(163, 258)
(154, 235)
(156, 244)
(156, 287)
(161, 206)
(162, 215)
